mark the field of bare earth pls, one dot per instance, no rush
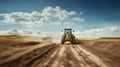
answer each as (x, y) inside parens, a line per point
(13, 47)
(106, 48)
(29, 51)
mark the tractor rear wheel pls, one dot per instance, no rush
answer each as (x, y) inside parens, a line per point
(73, 40)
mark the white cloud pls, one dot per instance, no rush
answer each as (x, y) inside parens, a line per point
(80, 13)
(48, 15)
(29, 32)
(17, 17)
(57, 12)
(114, 29)
(20, 32)
(10, 31)
(3, 14)
(78, 19)
(110, 31)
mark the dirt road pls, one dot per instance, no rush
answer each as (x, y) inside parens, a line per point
(72, 56)
(55, 56)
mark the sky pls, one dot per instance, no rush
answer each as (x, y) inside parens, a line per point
(89, 18)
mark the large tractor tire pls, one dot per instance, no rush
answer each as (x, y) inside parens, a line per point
(62, 41)
(73, 40)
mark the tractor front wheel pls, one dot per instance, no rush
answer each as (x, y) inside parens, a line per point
(62, 41)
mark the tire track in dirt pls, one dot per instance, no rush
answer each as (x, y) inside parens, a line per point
(23, 60)
(93, 58)
(58, 57)
(84, 58)
(61, 57)
(64, 60)
(71, 61)
(19, 54)
(70, 56)
(76, 55)
(38, 57)
(52, 60)
(46, 59)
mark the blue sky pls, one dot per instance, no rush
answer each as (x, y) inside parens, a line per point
(46, 17)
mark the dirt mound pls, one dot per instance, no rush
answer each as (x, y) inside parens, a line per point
(31, 43)
(108, 49)
(28, 58)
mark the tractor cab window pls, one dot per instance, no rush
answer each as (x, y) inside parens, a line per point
(67, 31)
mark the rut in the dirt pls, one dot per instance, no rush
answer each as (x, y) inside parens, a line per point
(29, 58)
(70, 56)
(57, 56)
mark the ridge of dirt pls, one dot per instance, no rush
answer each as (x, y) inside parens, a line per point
(110, 60)
(24, 59)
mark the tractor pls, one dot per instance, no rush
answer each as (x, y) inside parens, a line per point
(68, 36)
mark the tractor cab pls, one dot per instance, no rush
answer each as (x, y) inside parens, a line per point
(67, 31)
